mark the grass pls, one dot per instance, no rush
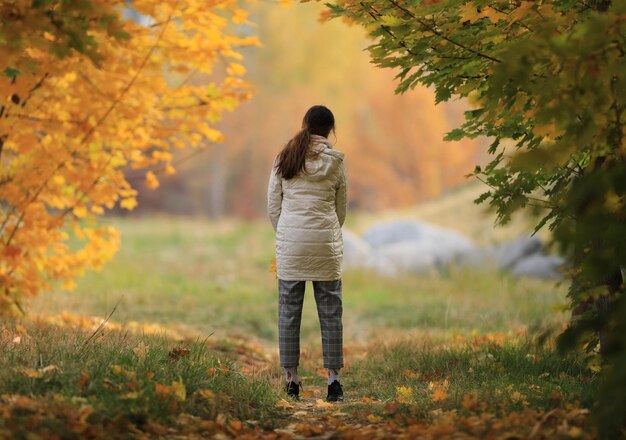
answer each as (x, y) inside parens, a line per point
(125, 380)
(507, 376)
(213, 277)
(458, 341)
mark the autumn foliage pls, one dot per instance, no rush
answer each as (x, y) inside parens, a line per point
(90, 89)
(394, 148)
(546, 81)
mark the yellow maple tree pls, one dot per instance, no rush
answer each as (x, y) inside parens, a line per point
(90, 89)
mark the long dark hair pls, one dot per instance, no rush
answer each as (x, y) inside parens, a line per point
(318, 120)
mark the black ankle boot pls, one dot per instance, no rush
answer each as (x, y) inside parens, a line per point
(293, 389)
(335, 392)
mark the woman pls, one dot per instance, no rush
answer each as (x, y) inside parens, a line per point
(307, 207)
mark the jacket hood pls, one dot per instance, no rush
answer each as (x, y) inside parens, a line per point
(326, 162)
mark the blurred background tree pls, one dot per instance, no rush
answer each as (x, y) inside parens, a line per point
(547, 83)
(393, 144)
(90, 89)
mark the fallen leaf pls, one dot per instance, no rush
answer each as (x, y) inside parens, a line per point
(178, 353)
(236, 425)
(307, 393)
(323, 404)
(141, 350)
(374, 419)
(49, 369)
(517, 396)
(220, 419)
(180, 392)
(282, 403)
(121, 371)
(207, 394)
(322, 372)
(83, 380)
(412, 374)
(176, 390)
(391, 408)
(469, 400)
(556, 396)
(31, 373)
(439, 394)
(574, 432)
(404, 394)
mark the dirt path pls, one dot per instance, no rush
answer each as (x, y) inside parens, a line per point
(362, 417)
(312, 417)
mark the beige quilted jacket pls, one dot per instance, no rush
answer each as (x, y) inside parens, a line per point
(307, 213)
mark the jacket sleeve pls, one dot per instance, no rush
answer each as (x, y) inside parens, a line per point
(274, 197)
(341, 198)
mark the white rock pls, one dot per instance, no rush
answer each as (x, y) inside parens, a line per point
(545, 267)
(509, 253)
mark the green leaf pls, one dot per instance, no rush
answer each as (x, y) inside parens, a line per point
(391, 20)
(11, 72)
(455, 135)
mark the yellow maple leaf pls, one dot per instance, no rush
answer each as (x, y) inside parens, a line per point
(211, 134)
(469, 12)
(374, 419)
(517, 396)
(282, 403)
(521, 11)
(404, 394)
(236, 69)
(323, 404)
(151, 180)
(240, 16)
(141, 350)
(180, 392)
(273, 268)
(176, 389)
(80, 211)
(493, 15)
(128, 203)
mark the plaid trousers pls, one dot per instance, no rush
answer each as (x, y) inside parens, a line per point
(329, 310)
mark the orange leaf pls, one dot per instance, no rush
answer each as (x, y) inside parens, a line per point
(151, 180)
(469, 400)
